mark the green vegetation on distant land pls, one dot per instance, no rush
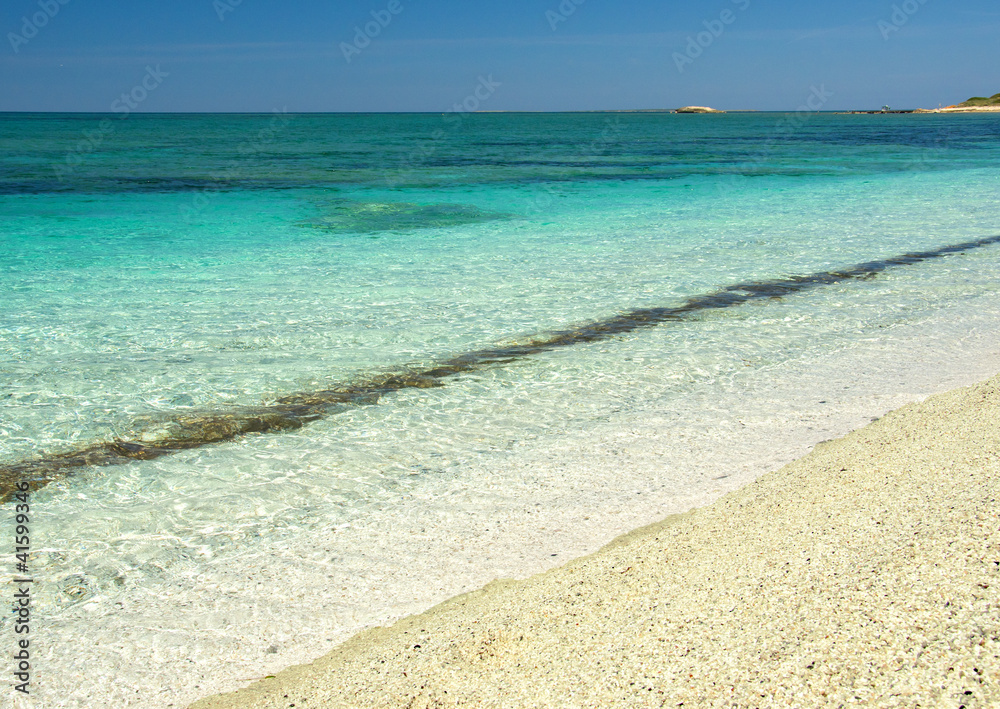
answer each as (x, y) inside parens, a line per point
(993, 100)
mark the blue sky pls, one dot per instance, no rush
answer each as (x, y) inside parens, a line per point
(547, 55)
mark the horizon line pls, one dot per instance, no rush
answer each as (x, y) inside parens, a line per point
(434, 113)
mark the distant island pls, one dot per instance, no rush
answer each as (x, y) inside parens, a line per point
(976, 104)
(993, 100)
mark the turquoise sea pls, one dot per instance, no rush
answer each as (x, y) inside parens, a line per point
(276, 378)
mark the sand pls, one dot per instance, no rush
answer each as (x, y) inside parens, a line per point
(864, 574)
(961, 109)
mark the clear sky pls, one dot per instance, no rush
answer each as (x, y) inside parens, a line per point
(544, 55)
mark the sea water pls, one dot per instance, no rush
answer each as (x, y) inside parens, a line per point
(165, 268)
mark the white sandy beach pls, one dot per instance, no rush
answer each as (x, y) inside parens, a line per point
(961, 109)
(864, 574)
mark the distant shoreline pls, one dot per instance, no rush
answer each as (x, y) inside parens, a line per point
(847, 112)
(949, 109)
(148, 114)
(961, 109)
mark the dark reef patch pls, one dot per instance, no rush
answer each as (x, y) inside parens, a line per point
(372, 217)
(294, 411)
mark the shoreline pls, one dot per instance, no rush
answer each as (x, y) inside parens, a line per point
(856, 573)
(946, 109)
(289, 593)
(960, 109)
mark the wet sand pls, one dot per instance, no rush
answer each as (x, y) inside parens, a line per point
(865, 574)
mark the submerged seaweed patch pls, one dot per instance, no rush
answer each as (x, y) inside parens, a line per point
(190, 430)
(373, 217)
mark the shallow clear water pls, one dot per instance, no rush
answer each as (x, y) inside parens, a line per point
(198, 265)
